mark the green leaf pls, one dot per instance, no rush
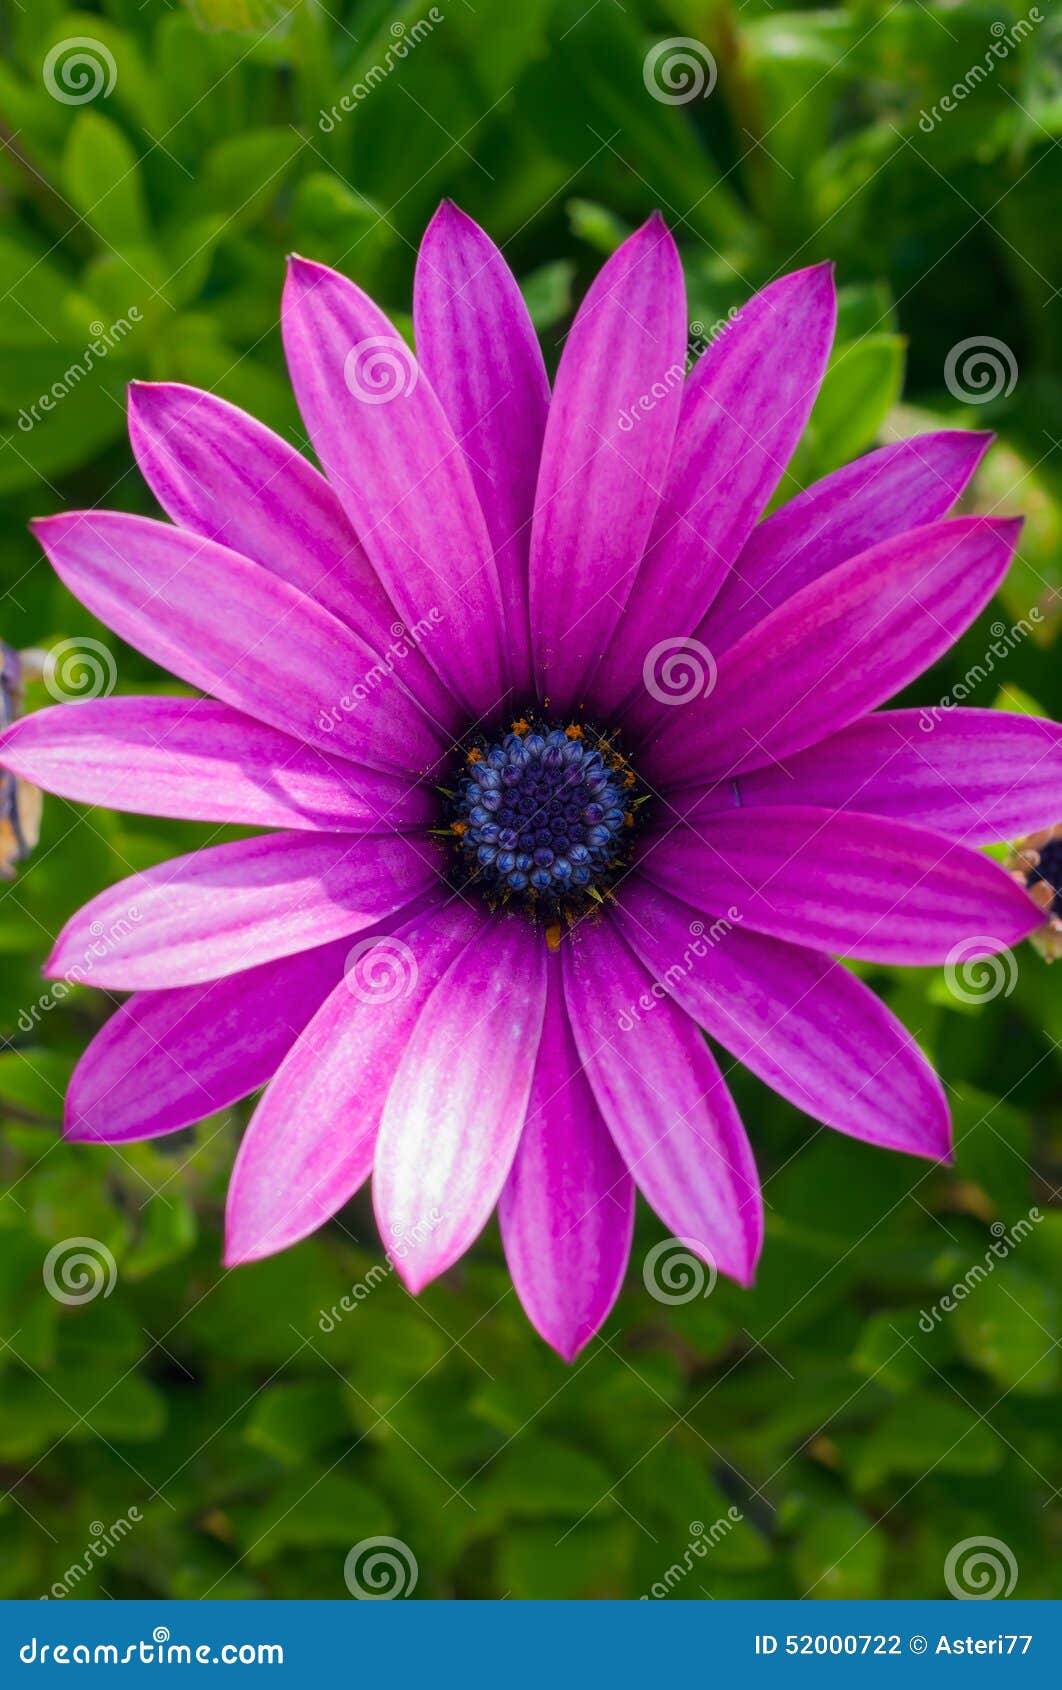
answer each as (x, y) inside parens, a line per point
(841, 1554)
(102, 176)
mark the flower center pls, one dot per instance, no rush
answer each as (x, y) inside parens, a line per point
(544, 815)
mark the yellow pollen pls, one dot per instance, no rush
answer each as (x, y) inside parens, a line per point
(521, 727)
(553, 936)
(573, 731)
(460, 828)
(474, 756)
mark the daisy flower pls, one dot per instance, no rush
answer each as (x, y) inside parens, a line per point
(567, 756)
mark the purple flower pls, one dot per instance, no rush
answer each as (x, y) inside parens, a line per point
(569, 754)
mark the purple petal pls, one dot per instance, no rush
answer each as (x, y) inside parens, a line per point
(974, 775)
(664, 1102)
(567, 1210)
(166, 1059)
(199, 761)
(310, 1143)
(221, 474)
(836, 649)
(857, 885)
(899, 487)
(222, 623)
(801, 1022)
(394, 464)
(227, 908)
(743, 412)
(457, 1105)
(601, 476)
(478, 348)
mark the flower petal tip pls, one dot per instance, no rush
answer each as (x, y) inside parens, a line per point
(241, 1250)
(413, 1279)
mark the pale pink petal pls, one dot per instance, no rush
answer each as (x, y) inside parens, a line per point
(478, 348)
(855, 885)
(309, 1145)
(600, 484)
(197, 760)
(456, 1108)
(567, 1209)
(230, 907)
(665, 1103)
(800, 1021)
(166, 1059)
(393, 462)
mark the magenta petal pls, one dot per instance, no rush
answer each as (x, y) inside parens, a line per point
(798, 1020)
(230, 907)
(860, 886)
(478, 348)
(223, 623)
(839, 647)
(601, 476)
(898, 487)
(166, 1059)
(743, 412)
(457, 1105)
(391, 457)
(567, 1210)
(310, 1142)
(221, 474)
(200, 761)
(665, 1103)
(974, 775)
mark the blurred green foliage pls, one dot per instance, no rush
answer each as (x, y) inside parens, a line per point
(256, 1444)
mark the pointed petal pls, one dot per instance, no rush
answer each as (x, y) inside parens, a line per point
(798, 1020)
(309, 1145)
(229, 907)
(973, 775)
(200, 761)
(876, 498)
(665, 1103)
(457, 1105)
(743, 412)
(567, 1210)
(601, 480)
(399, 474)
(167, 1059)
(856, 885)
(219, 473)
(836, 649)
(220, 622)
(478, 348)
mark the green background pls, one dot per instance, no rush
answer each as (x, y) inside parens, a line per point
(257, 1447)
